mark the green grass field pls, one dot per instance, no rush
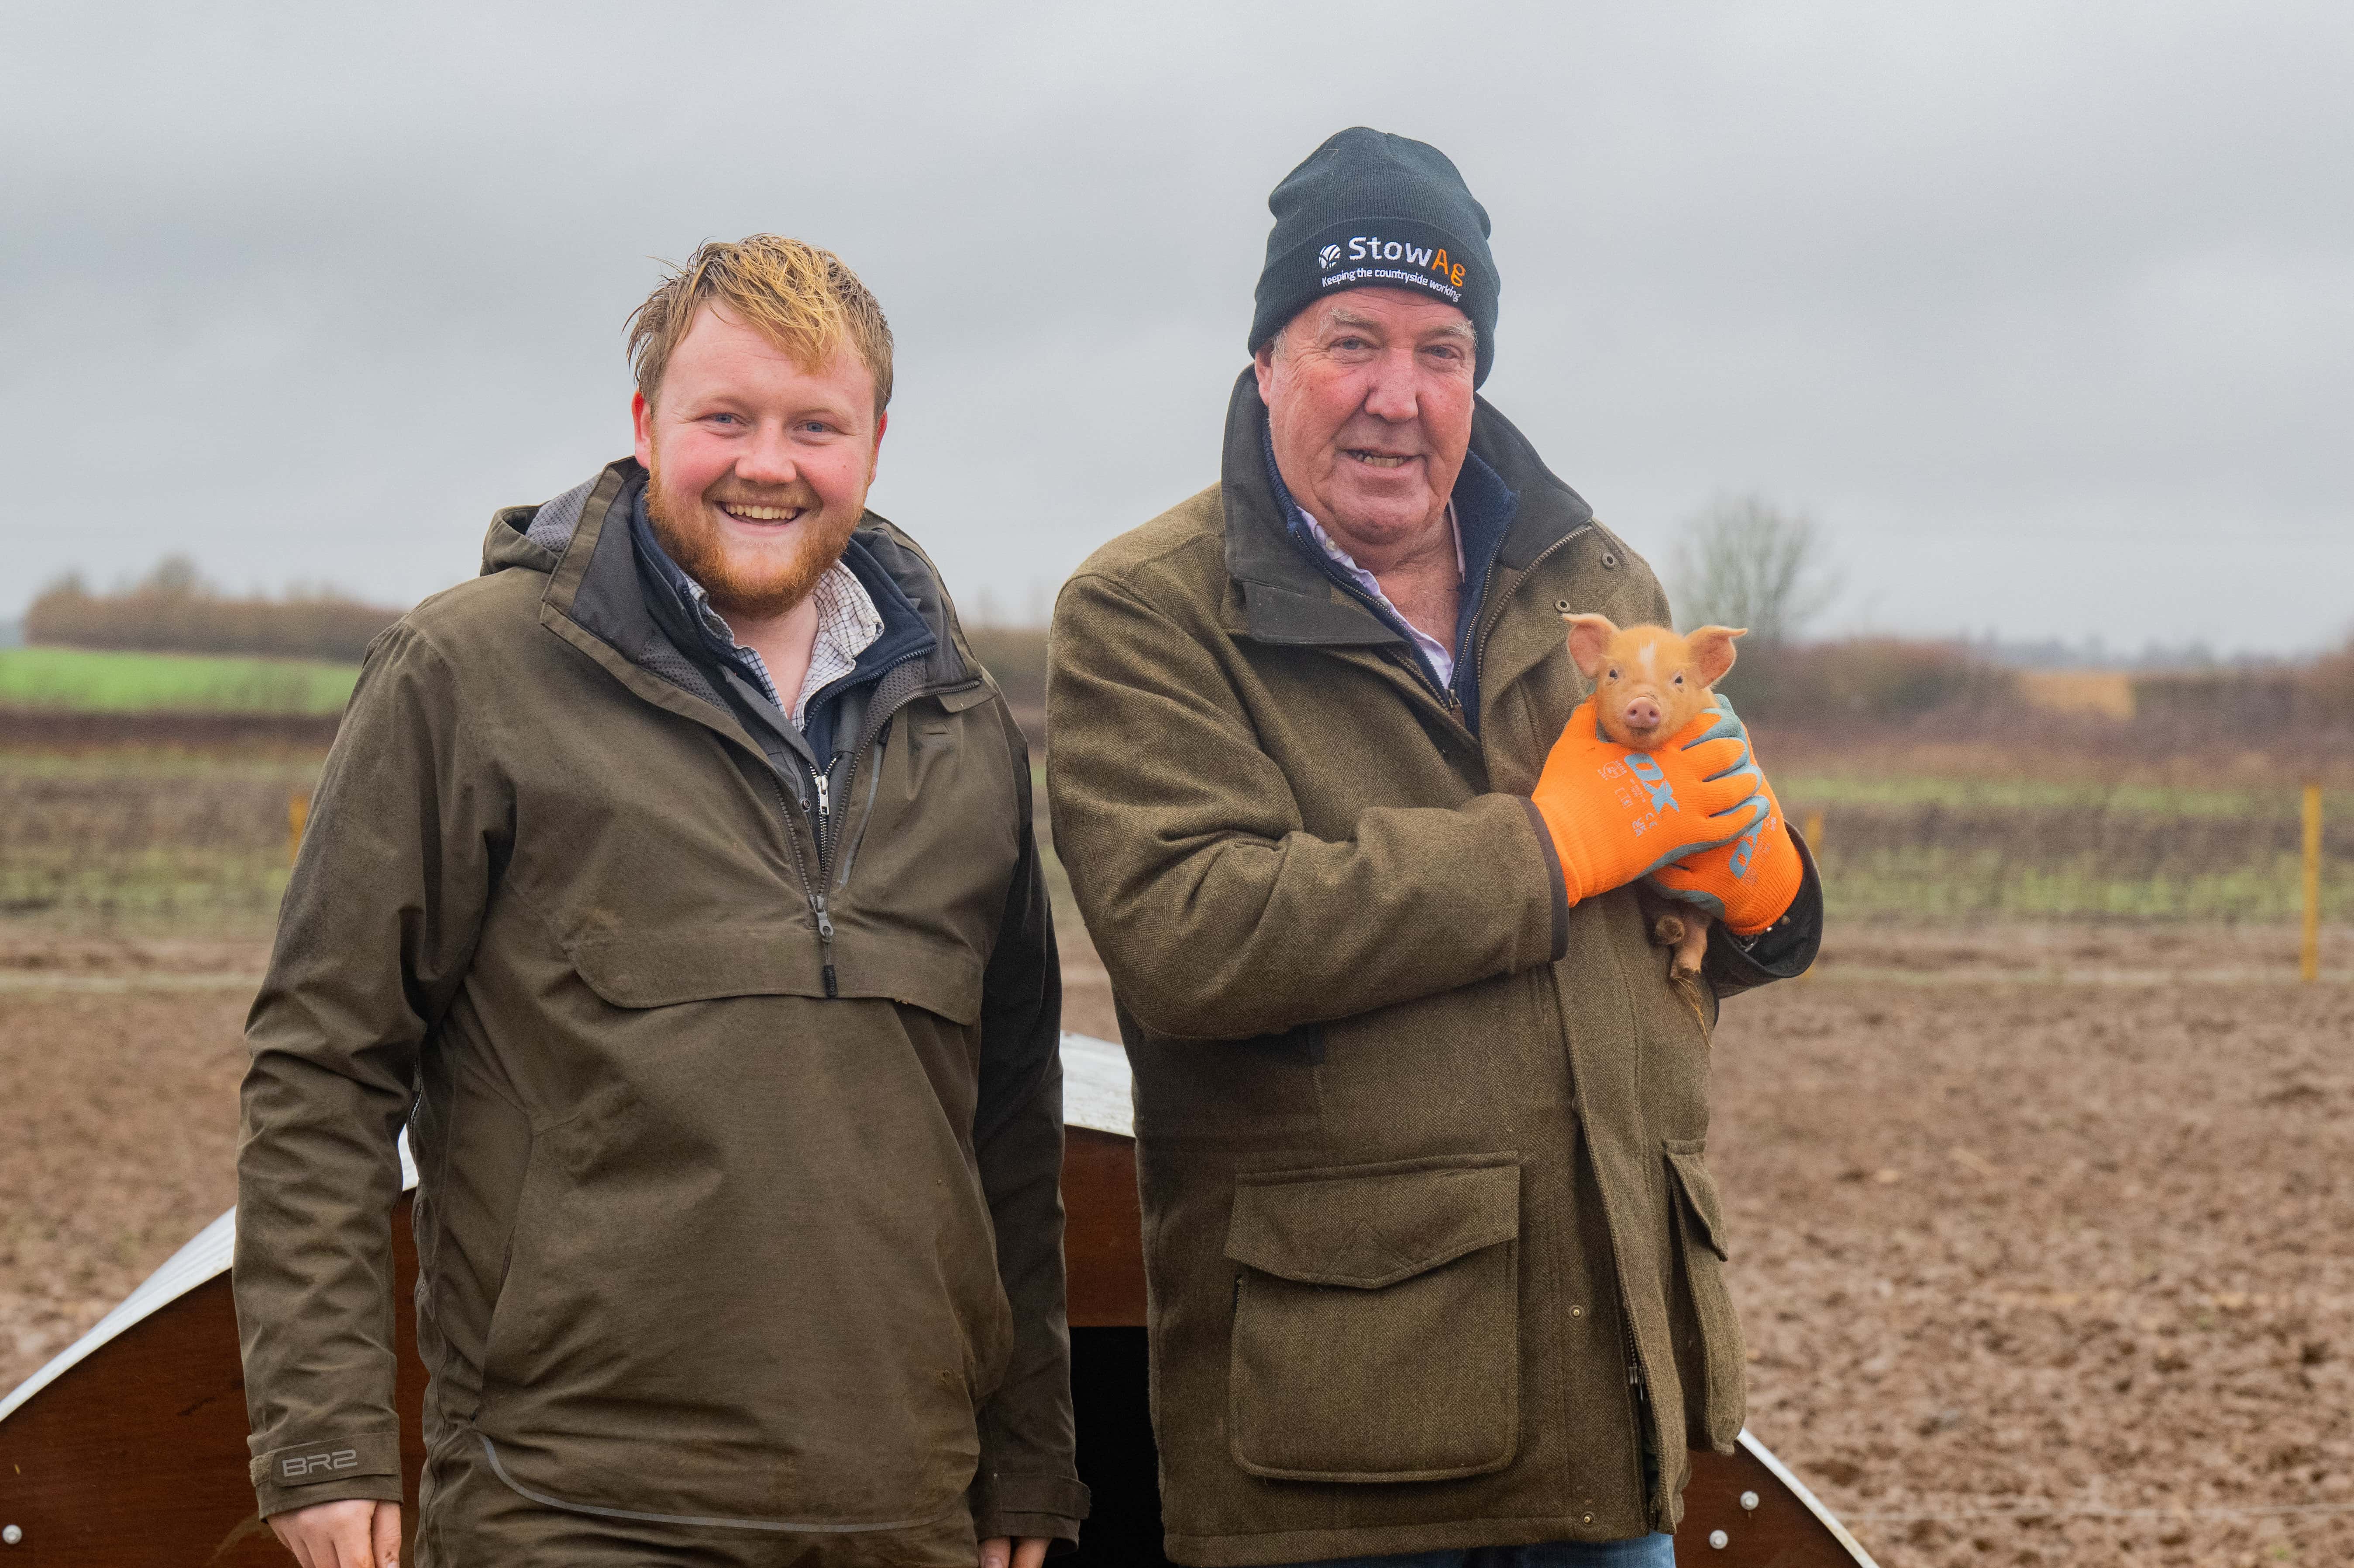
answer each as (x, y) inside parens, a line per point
(1955, 851)
(1829, 791)
(77, 680)
(158, 842)
(169, 841)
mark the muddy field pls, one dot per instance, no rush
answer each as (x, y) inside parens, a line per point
(2045, 1240)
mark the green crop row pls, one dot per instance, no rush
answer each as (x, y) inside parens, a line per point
(159, 839)
(1829, 792)
(77, 680)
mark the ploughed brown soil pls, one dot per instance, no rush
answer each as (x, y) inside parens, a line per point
(2044, 1241)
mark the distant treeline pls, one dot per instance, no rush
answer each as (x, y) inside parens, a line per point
(1861, 678)
(1893, 679)
(1888, 678)
(172, 610)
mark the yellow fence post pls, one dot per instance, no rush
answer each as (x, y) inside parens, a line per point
(298, 815)
(2309, 965)
(1814, 836)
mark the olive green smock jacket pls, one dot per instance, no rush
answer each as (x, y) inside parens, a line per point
(1421, 1145)
(717, 1219)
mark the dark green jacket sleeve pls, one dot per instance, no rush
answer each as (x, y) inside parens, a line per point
(374, 934)
(1028, 1481)
(1217, 915)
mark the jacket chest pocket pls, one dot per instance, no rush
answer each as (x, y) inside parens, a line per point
(1376, 1334)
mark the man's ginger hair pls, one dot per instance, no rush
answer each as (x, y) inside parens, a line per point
(797, 296)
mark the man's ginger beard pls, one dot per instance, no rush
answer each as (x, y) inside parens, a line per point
(760, 590)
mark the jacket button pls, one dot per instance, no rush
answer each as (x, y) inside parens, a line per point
(1561, 605)
(1577, 1311)
(1585, 1519)
(1609, 560)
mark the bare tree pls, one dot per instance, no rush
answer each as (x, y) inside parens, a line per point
(1745, 562)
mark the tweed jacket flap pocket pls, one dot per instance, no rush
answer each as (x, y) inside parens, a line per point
(1370, 1231)
(1711, 1361)
(1698, 1188)
(1376, 1328)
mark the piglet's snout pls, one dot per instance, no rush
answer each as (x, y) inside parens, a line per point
(1642, 713)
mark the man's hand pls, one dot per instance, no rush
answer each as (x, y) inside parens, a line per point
(1615, 814)
(1000, 1552)
(357, 1532)
(1747, 884)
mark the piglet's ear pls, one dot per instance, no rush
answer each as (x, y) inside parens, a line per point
(1589, 642)
(1712, 654)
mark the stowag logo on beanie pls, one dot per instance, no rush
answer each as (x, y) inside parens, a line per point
(1373, 248)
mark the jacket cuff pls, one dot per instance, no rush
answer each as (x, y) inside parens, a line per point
(362, 1465)
(1018, 1505)
(1784, 951)
(1060, 1533)
(1555, 881)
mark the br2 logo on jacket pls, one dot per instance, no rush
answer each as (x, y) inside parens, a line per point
(301, 1465)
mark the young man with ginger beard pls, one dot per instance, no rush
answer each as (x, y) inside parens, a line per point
(673, 883)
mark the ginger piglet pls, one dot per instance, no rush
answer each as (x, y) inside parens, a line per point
(1648, 683)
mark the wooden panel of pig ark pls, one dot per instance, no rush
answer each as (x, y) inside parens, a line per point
(129, 1449)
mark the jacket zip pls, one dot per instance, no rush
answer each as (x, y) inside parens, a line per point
(812, 891)
(1637, 1392)
(815, 889)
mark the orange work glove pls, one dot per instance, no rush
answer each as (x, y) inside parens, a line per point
(1617, 814)
(1747, 884)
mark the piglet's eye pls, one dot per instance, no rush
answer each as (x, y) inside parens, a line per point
(1680, 680)
(1613, 676)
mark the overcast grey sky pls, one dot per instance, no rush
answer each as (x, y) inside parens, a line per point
(2045, 311)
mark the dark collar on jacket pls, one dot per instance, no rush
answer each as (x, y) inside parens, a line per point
(670, 598)
(1483, 506)
(594, 579)
(1289, 598)
(595, 583)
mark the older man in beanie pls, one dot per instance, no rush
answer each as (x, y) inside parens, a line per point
(1434, 1252)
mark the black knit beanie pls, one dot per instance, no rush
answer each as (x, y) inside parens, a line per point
(1372, 210)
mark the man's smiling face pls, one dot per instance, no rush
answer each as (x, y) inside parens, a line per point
(760, 465)
(1369, 400)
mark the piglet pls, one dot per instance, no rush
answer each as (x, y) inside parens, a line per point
(1648, 683)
